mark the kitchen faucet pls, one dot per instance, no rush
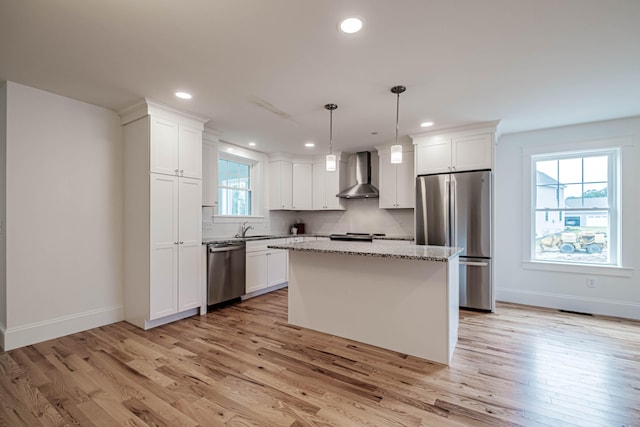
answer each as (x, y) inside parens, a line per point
(244, 229)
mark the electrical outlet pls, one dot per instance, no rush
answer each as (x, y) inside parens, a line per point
(207, 226)
(591, 282)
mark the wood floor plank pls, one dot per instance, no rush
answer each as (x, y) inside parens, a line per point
(244, 365)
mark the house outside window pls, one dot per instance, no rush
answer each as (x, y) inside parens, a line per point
(575, 207)
(234, 187)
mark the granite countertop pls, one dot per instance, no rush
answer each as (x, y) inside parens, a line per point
(283, 236)
(413, 252)
(260, 237)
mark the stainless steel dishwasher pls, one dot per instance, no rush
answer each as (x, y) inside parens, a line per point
(226, 265)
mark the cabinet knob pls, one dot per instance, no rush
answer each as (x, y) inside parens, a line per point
(182, 171)
(175, 243)
(175, 170)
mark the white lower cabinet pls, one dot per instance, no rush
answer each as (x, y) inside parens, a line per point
(265, 267)
(175, 223)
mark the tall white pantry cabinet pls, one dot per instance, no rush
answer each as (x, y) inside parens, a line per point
(163, 216)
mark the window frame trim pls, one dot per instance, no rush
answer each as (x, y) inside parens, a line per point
(245, 161)
(529, 156)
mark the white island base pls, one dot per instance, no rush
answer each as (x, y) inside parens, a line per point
(406, 305)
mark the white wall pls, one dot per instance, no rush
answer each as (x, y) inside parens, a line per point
(64, 197)
(515, 281)
(3, 212)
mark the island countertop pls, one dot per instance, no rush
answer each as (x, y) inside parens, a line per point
(413, 252)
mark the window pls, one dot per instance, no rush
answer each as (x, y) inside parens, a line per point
(234, 187)
(575, 207)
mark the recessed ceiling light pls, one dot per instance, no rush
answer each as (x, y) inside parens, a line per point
(230, 149)
(426, 124)
(183, 95)
(252, 144)
(351, 25)
(309, 144)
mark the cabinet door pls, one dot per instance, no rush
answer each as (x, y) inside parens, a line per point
(301, 186)
(405, 182)
(472, 152)
(332, 187)
(319, 185)
(210, 175)
(190, 152)
(434, 156)
(388, 192)
(280, 185)
(256, 273)
(164, 246)
(277, 267)
(164, 147)
(190, 244)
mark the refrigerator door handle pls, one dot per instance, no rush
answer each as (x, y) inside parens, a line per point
(474, 264)
(453, 200)
(447, 217)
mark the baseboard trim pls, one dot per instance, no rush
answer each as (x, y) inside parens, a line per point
(264, 291)
(33, 333)
(628, 310)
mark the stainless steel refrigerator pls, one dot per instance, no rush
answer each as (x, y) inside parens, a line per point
(454, 209)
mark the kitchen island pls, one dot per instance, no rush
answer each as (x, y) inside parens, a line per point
(399, 297)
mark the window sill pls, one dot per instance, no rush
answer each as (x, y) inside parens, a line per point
(596, 270)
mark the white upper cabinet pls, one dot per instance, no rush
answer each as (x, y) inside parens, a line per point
(190, 152)
(175, 149)
(326, 185)
(471, 152)
(164, 146)
(397, 181)
(301, 186)
(210, 171)
(463, 149)
(280, 185)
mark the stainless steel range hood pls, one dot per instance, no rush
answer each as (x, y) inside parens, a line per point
(363, 188)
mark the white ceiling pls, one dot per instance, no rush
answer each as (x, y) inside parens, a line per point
(529, 63)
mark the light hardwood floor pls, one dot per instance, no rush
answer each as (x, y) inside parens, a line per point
(244, 365)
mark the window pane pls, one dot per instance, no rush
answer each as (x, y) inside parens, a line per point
(570, 171)
(548, 168)
(596, 169)
(222, 173)
(571, 196)
(232, 174)
(595, 195)
(547, 196)
(581, 238)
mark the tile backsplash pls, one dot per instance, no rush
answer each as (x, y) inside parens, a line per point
(361, 216)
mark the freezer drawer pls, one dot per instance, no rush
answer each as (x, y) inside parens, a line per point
(475, 284)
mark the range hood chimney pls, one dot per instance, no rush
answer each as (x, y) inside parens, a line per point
(363, 188)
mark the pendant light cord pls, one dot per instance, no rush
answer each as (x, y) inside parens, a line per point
(397, 117)
(330, 131)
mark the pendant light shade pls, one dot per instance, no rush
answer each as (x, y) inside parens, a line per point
(396, 149)
(396, 153)
(331, 158)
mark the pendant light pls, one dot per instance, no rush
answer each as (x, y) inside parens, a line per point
(331, 158)
(396, 149)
